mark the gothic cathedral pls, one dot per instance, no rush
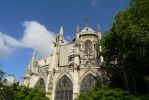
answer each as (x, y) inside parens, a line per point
(71, 69)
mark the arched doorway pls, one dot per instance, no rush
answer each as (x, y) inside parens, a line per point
(88, 83)
(64, 89)
(41, 84)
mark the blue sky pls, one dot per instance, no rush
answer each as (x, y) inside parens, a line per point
(32, 24)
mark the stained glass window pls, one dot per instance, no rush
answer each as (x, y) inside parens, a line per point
(88, 83)
(41, 84)
(88, 47)
(64, 89)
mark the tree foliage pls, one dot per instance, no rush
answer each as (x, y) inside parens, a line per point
(16, 92)
(106, 93)
(25, 93)
(126, 45)
(1, 83)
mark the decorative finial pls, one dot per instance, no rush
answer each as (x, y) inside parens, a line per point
(98, 28)
(33, 56)
(61, 30)
(34, 52)
(99, 32)
(61, 34)
(78, 28)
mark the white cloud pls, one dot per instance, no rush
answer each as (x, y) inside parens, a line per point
(8, 40)
(5, 50)
(7, 45)
(35, 36)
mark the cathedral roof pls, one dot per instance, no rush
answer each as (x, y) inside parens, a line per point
(87, 30)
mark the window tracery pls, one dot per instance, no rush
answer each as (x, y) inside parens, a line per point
(88, 47)
(64, 89)
(88, 83)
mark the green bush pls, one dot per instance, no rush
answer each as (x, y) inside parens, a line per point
(106, 93)
(25, 93)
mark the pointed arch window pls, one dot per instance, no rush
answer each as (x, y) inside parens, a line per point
(64, 89)
(88, 47)
(89, 83)
(41, 84)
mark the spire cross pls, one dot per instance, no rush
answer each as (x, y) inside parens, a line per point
(86, 22)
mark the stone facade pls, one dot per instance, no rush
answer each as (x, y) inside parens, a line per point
(71, 68)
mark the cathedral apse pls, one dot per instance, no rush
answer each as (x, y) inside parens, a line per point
(71, 69)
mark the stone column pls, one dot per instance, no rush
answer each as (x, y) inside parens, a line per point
(75, 84)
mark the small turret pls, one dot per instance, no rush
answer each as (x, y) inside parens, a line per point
(29, 70)
(77, 33)
(100, 48)
(59, 37)
(33, 60)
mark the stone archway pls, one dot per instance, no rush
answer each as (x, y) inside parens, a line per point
(64, 89)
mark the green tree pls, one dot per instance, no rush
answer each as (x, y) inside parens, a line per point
(126, 45)
(106, 93)
(2, 83)
(25, 93)
(1, 77)
(16, 92)
(7, 93)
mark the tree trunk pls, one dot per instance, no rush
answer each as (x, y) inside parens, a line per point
(126, 81)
